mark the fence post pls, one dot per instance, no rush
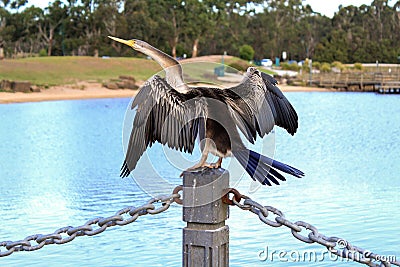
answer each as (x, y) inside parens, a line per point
(206, 237)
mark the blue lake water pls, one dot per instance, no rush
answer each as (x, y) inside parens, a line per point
(60, 161)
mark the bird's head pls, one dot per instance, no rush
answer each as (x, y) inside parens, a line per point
(137, 45)
(173, 69)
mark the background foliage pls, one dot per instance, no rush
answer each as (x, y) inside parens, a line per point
(191, 27)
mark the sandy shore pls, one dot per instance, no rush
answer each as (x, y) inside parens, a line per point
(67, 92)
(95, 90)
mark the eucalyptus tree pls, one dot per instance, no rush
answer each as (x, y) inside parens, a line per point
(103, 18)
(7, 29)
(139, 22)
(169, 16)
(362, 34)
(310, 30)
(276, 29)
(51, 18)
(232, 30)
(200, 21)
(26, 38)
(13, 4)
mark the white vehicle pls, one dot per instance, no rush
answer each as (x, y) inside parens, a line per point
(266, 62)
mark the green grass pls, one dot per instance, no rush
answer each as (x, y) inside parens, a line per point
(66, 70)
(200, 72)
(49, 71)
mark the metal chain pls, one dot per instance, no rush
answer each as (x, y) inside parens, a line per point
(337, 246)
(91, 227)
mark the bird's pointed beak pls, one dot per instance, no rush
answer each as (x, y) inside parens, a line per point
(127, 42)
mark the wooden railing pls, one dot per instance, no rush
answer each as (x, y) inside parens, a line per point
(355, 81)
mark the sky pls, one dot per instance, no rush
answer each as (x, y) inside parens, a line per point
(325, 7)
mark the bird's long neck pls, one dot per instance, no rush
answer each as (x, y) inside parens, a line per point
(173, 70)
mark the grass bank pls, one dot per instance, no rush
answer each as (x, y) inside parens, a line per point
(49, 71)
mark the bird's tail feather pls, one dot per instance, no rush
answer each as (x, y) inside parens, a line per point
(125, 170)
(264, 169)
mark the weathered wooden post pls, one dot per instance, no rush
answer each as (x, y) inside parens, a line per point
(206, 237)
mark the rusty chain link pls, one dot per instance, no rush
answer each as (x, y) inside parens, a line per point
(337, 246)
(92, 227)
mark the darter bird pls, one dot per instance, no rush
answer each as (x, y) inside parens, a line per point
(173, 114)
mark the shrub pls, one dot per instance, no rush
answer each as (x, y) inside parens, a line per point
(306, 66)
(237, 65)
(246, 52)
(338, 65)
(358, 66)
(325, 67)
(316, 65)
(42, 53)
(292, 66)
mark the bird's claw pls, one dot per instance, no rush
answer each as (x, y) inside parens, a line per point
(201, 168)
(214, 165)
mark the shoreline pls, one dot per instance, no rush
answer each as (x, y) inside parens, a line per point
(80, 91)
(86, 90)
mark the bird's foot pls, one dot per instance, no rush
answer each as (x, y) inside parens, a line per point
(194, 169)
(216, 165)
(202, 168)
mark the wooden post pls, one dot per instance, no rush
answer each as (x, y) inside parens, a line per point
(206, 237)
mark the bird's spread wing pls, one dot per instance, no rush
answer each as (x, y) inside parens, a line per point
(257, 104)
(164, 115)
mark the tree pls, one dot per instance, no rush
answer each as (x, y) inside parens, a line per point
(7, 29)
(14, 4)
(169, 16)
(310, 31)
(103, 16)
(274, 30)
(362, 34)
(79, 27)
(232, 29)
(27, 40)
(139, 20)
(201, 21)
(51, 19)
